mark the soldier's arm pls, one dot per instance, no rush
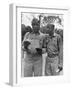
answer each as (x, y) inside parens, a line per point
(60, 46)
(25, 39)
(26, 45)
(44, 46)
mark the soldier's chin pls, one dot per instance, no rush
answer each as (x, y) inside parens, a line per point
(51, 34)
(36, 31)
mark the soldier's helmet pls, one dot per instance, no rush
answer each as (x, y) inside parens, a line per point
(35, 21)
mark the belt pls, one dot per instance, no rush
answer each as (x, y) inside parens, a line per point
(52, 55)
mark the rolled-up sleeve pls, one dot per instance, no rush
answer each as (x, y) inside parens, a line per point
(25, 39)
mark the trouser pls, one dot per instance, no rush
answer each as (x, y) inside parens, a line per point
(32, 66)
(51, 66)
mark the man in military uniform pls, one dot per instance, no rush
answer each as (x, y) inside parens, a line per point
(52, 43)
(33, 46)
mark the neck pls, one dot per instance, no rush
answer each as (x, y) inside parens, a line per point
(51, 35)
(36, 32)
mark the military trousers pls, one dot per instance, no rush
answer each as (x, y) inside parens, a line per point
(51, 66)
(32, 66)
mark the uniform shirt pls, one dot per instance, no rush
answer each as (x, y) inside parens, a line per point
(35, 39)
(52, 44)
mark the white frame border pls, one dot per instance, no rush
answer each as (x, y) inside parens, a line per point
(14, 77)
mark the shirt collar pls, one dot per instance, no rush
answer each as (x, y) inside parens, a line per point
(36, 33)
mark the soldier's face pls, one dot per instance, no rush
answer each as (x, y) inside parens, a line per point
(51, 30)
(36, 27)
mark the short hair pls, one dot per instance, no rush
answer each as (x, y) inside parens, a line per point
(35, 21)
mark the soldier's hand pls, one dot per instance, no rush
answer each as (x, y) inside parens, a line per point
(60, 68)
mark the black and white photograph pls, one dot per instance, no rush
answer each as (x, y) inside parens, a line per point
(41, 44)
(36, 47)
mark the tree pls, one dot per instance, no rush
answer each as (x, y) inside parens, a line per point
(51, 19)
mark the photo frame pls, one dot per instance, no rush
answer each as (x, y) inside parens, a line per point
(15, 13)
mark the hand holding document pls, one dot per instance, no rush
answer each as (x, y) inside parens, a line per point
(34, 46)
